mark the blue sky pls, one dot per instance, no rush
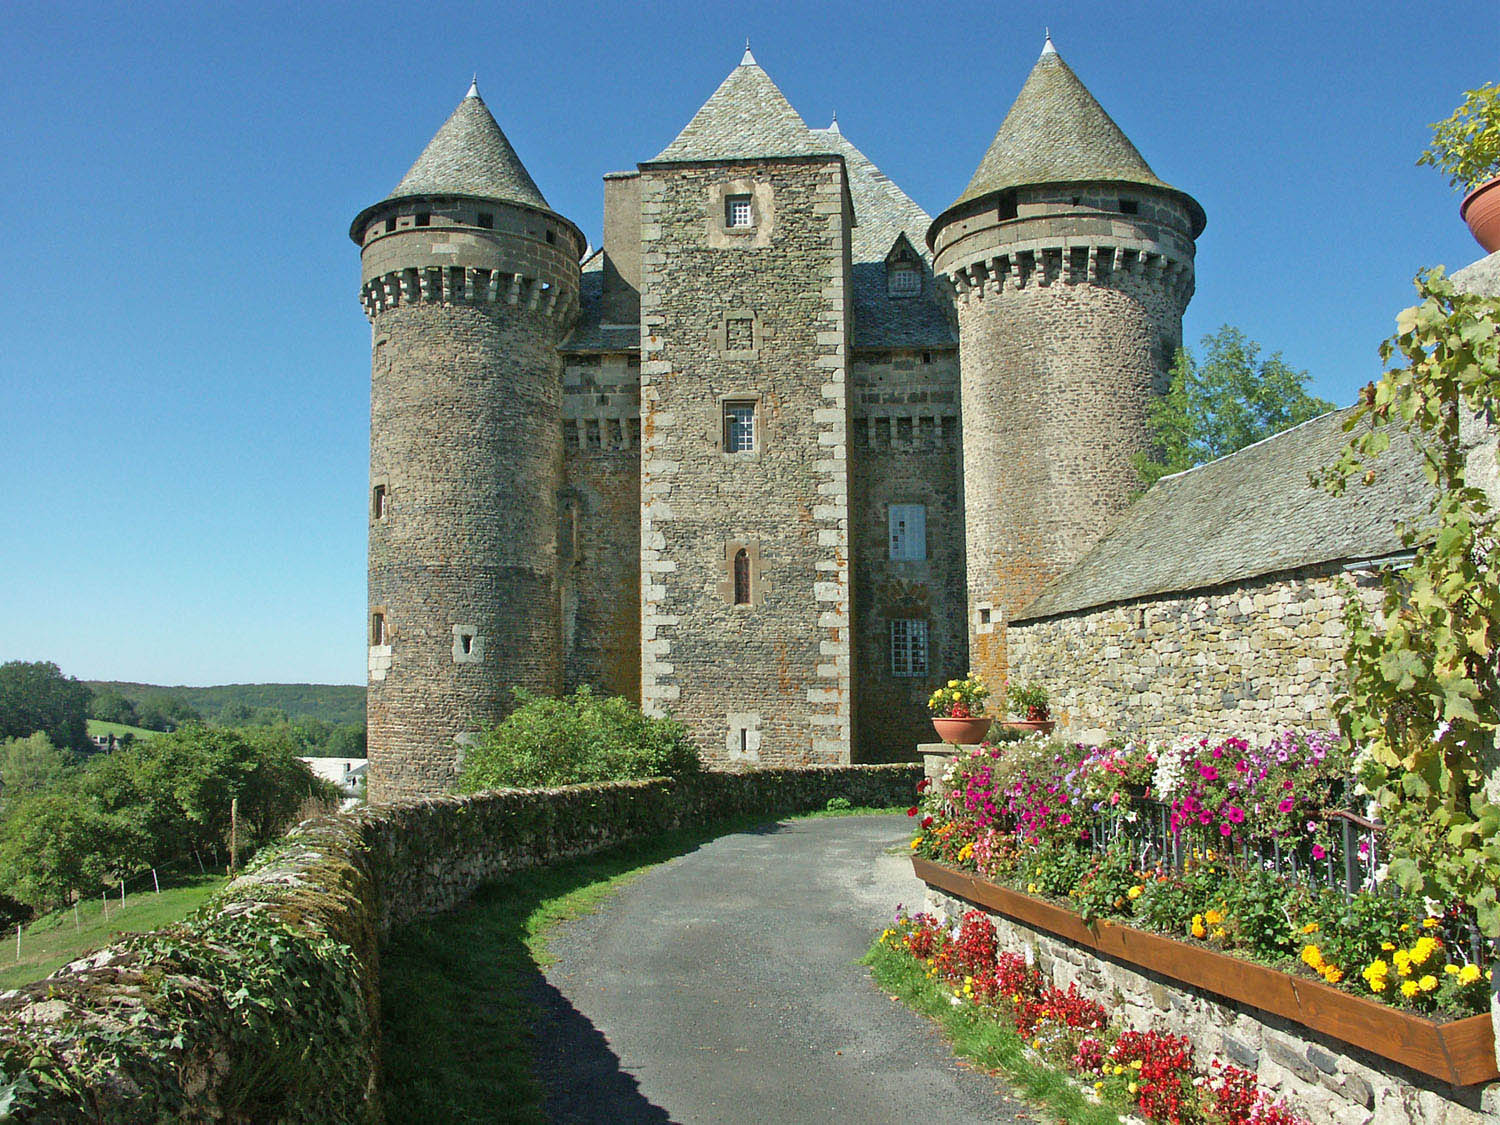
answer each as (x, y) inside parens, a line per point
(183, 362)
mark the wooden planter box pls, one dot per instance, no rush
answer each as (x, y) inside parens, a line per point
(1461, 1052)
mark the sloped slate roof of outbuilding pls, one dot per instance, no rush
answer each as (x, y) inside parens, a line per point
(589, 333)
(746, 117)
(470, 155)
(1250, 514)
(1057, 132)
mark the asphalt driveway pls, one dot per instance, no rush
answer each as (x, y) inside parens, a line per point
(722, 986)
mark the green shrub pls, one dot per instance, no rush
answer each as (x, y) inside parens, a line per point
(579, 738)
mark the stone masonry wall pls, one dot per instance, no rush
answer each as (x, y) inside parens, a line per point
(905, 450)
(599, 534)
(1068, 318)
(759, 316)
(1250, 659)
(1330, 1081)
(210, 1019)
(466, 438)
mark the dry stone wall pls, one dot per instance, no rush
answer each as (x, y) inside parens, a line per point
(1252, 659)
(212, 1019)
(756, 316)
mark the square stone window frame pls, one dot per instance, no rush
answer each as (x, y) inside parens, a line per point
(760, 585)
(380, 486)
(722, 236)
(717, 435)
(986, 617)
(757, 334)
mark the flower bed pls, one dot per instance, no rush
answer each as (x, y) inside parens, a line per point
(1221, 845)
(1149, 1072)
(1461, 1052)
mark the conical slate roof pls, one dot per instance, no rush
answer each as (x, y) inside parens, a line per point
(746, 118)
(1056, 132)
(471, 156)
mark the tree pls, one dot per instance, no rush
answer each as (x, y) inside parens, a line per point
(50, 849)
(1230, 400)
(36, 696)
(109, 706)
(1424, 696)
(29, 766)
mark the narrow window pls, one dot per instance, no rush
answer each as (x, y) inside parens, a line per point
(744, 738)
(984, 614)
(551, 238)
(377, 502)
(742, 577)
(377, 628)
(1129, 207)
(424, 218)
(739, 427)
(487, 220)
(737, 211)
(909, 648)
(390, 224)
(1007, 208)
(926, 357)
(466, 643)
(908, 528)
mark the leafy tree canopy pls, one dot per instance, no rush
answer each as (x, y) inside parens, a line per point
(50, 848)
(36, 696)
(110, 706)
(1231, 399)
(29, 766)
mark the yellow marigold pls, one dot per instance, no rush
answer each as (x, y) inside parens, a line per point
(1422, 949)
(1430, 923)
(1197, 930)
(1387, 946)
(1468, 974)
(1402, 960)
(1213, 917)
(1310, 928)
(1332, 974)
(1405, 926)
(1313, 956)
(916, 843)
(1136, 892)
(1451, 969)
(966, 851)
(1408, 988)
(1376, 968)
(1377, 984)
(1220, 933)
(1428, 983)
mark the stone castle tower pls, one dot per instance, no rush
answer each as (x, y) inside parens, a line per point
(470, 282)
(1071, 265)
(731, 465)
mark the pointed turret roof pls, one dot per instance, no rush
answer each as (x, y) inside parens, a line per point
(470, 155)
(1056, 132)
(747, 117)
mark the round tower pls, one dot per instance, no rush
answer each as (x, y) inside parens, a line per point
(1070, 265)
(470, 282)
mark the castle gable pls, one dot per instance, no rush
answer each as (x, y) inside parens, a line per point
(1250, 514)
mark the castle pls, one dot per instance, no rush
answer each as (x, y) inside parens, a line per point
(777, 457)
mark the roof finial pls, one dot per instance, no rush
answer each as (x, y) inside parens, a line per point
(1047, 47)
(749, 59)
(834, 128)
(474, 87)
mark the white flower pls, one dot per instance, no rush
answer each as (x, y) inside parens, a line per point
(1443, 728)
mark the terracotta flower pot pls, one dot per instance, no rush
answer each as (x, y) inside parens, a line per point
(962, 732)
(1481, 210)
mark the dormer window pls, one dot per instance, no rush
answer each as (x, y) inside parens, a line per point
(905, 280)
(737, 212)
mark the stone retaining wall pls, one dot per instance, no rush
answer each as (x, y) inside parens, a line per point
(1330, 1081)
(267, 1006)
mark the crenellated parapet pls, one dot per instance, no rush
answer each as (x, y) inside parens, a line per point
(1070, 263)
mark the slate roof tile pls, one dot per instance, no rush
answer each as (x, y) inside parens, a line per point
(470, 155)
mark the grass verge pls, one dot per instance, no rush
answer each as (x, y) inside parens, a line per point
(984, 1041)
(55, 939)
(456, 1018)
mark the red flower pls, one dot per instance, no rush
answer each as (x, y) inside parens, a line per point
(913, 811)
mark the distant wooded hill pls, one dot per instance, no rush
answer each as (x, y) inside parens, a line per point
(333, 703)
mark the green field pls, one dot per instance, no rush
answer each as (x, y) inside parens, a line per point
(54, 939)
(99, 726)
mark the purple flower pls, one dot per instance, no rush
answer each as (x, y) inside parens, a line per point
(1236, 814)
(1225, 830)
(1286, 804)
(1318, 852)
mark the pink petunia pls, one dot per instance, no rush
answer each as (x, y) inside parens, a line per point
(1286, 805)
(1225, 830)
(1318, 851)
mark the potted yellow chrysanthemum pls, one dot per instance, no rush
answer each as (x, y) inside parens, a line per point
(958, 711)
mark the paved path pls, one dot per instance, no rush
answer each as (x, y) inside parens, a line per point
(723, 987)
